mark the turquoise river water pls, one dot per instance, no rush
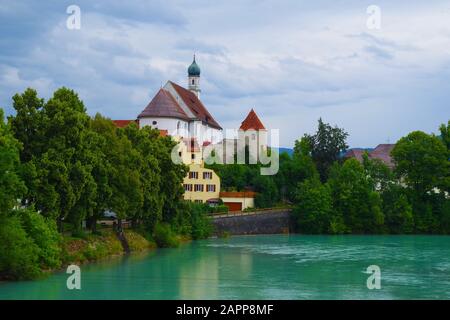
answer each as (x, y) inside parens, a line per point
(262, 267)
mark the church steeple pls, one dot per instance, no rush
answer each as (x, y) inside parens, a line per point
(194, 78)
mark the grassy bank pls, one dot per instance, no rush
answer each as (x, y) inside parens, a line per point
(94, 247)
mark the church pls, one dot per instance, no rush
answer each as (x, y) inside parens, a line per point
(178, 112)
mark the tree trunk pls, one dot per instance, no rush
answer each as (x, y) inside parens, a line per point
(60, 225)
(93, 224)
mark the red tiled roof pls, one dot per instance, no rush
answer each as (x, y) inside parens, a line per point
(252, 122)
(355, 153)
(237, 194)
(383, 152)
(163, 133)
(124, 123)
(195, 105)
(163, 105)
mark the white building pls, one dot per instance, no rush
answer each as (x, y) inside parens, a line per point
(181, 112)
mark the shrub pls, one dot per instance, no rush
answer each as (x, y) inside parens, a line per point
(219, 209)
(19, 258)
(44, 234)
(200, 222)
(164, 236)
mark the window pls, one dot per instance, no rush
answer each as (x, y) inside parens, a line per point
(211, 188)
(207, 175)
(179, 154)
(193, 82)
(198, 201)
(187, 187)
(198, 187)
(193, 175)
(193, 156)
(154, 122)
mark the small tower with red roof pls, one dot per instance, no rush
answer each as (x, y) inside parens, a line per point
(252, 132)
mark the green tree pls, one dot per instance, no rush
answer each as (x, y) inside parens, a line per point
(445, 136)
(379, 174)
(421, 161)
(354, 198)
(313, 207)
(27, 242)
(145, 141)
(326, 146)
(11, 186)
(267, 192)
(27, 124)
(295, 169)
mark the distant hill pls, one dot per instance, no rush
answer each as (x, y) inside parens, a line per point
(290, 151)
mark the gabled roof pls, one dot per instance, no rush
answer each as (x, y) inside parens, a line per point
(163, 105)
(355, 153)
(195, 105)
(124, 123)
(383, 152)
(252, 122)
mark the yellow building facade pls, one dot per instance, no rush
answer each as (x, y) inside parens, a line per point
(201, 184)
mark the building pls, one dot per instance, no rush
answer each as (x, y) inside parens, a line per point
(253, 134)
(381, 152)
(238, 200)
(201, 184)
(179, 113)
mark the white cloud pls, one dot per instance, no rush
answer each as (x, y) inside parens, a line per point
(292, 61)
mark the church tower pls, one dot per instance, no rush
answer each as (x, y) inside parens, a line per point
(194, 78)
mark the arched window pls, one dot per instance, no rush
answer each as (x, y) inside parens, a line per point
(178, 127)
(193, 82)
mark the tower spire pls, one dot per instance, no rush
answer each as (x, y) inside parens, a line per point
(194, 78)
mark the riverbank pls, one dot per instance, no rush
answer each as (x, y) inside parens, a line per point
(92, 248)
(104, 245)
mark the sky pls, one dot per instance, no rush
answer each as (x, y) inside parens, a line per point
(292, 61)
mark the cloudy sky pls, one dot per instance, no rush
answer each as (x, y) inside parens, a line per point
(293, 61)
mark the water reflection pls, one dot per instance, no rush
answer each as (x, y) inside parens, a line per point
(262, 267)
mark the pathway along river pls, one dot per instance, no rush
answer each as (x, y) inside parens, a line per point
(263, 267)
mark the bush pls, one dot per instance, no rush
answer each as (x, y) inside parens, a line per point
(219, 209)
(200, 222)
(44, 234)
(314, 207)
(19, 258)
(164, 236)
(137, 242)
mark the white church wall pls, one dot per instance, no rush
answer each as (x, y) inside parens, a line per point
(172, 125)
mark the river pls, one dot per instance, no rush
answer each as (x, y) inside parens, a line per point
(262, 267)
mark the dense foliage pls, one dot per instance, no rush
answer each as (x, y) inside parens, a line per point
(60, 167)
(331, 195)
(369, 197)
